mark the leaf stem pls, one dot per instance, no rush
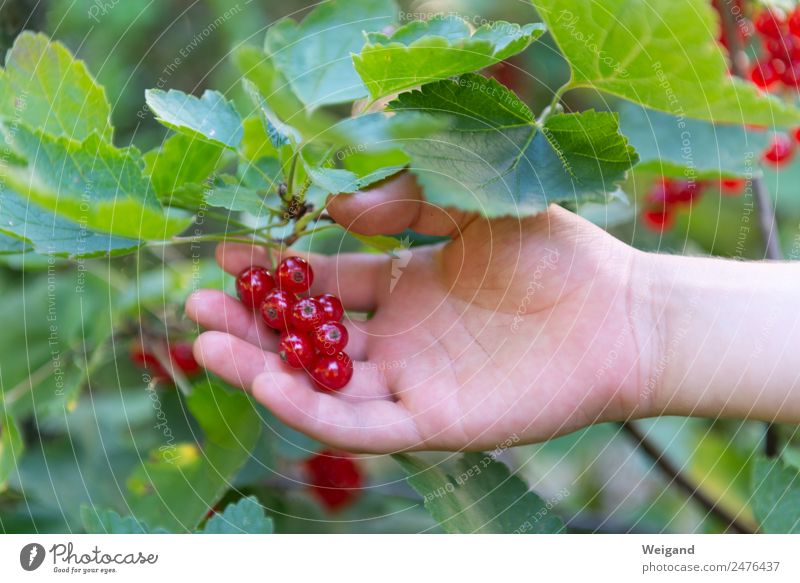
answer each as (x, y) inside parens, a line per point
(559, 93)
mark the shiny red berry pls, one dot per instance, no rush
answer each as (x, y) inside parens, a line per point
(332, 373)
(330, 338)
(794, 22)
(148, 361)
(297, 350)
(252, 286)
(764, 74)
(780, 150)
(770, 24)
(796, 134)
(295, 275)
(306, 315)
(335, 478)
(331, 306)
(182, 357)
(276, 309)
(732, 186)
(658, 219)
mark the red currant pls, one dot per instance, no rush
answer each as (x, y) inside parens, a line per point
(331, 306)
(295, 275)
(334, 478)
(794, 22)
(796, 134)
(148, 361)
(769, 24)
(330, 338)
(297, 350)
(306, 315)
(732, 186)
(276, 309)
(332, 373)
(764, 75)
(780, 150)
(658, 220)
(182, 357)
(252, 286)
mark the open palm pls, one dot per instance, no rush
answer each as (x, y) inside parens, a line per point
(517, 330)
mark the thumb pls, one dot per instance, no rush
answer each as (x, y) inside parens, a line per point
(394, 206)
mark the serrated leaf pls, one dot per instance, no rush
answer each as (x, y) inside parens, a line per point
(109, 522)
(92, 183)
(11, 447)
(680, 147)
(495, 158)
(180, 160)
(444, 46)
(340, 180)
(177, 487)
(45, 87)
(314, 55)
(11, 245)
(50, 234)
(280, 134)
(243, 517)
(662, 54)
(776, 496)
(211, 117)
(481, 496)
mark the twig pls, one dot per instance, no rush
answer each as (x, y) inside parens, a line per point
(676, 477)
(763, 203)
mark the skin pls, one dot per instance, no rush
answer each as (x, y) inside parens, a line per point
(523, 329)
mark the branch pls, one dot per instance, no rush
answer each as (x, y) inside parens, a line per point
(677, 477)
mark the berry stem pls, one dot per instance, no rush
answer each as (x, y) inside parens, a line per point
(763, 203)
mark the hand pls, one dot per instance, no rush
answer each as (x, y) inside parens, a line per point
(521, 329)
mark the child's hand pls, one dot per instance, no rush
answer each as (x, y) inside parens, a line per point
(516, 329)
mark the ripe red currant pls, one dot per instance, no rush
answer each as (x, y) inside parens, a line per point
(182, 357)
(331, 306)
(794, 22)
(252, 286)
(306, 315)
(297, 350)
(764, 74)
(732, 186)
(295, 275)
(780, 150)
(276, 309)
(658, 219)
(334, 478)
(149, 362)
(332, 373)
(770, 24)
(330, 338)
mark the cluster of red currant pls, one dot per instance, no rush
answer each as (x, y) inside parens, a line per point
(312, 335)
(780, 62)
(667, 195)
(334, 478)
(180, 358)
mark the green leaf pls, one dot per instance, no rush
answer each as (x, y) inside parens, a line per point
(244, 517)
(11, 245)
(178, 485)
(659, 53)
(680, 147)
(11, 448)
(391, 246)
(481, 497)
(339, 180)
(181, 159)
(92, 183)
(109, 522)
(496, 159)
(280, 134)
(444, 46)
(211, 117)
(315, 55)
(45, 87)
(776, 496)
(51, 234)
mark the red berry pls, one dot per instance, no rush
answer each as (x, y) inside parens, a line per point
(796, 134)
(330, 338)
(148, 361)
(667, 191)
(732, 186)
(334, 478)
(764, 74)
(770, 24)
(297, 350)
(306, 314)
(276, 309)
(182, 356)
(780, 150)
(331, 306)
(252, 286)
(295, 275)
(791, 75)
(658, 220)
(794, 22)
(332, 373)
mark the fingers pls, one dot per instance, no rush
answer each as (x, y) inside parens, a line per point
(236, 361)
(392, 208)
(357, 279)
(376, 426)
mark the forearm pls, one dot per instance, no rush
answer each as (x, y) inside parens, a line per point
(726, 338)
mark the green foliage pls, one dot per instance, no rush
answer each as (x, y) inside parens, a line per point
(444, 46)
(659, 53)
(243, 517)
(109, 522)
(495, 158)
(479, 497)
(11, 448)
(776, 496)
(181, 160)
